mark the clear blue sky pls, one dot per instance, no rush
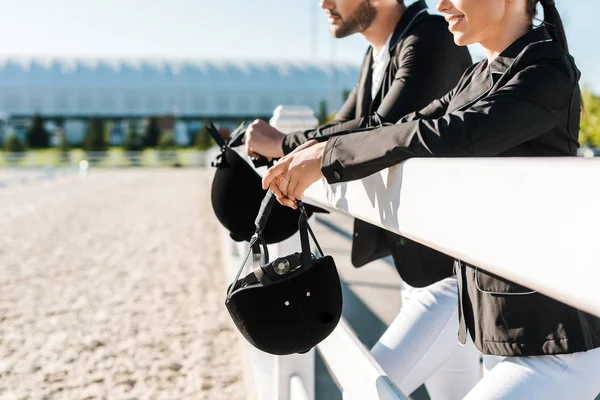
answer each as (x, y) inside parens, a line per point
(221, 29)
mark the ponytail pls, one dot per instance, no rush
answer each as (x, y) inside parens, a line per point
(552, 21)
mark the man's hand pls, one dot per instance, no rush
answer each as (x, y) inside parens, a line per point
(262, 139)
(294, 173)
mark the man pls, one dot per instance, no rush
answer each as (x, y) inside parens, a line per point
(411, 61)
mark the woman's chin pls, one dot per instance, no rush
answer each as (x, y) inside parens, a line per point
(460, 39)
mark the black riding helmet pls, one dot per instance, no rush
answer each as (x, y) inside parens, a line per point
(288, 305)
(237, 192)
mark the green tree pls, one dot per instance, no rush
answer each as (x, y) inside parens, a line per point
(322, 116)
(14, 145)
(63, 148)
(133, 140)
(15, 149)
(95, 139)
(203, 141)
(589, 134)
(166, 142)
(152, 134)
(167, 149)
(37, 136)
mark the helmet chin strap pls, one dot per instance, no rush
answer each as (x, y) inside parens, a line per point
(304, 220)
(214, 133)
(256, 242)
(237, 276)
(260, 223)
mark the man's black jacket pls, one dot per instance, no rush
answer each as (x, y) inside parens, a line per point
(425, 64)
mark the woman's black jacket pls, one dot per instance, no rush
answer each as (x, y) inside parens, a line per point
(525, 103)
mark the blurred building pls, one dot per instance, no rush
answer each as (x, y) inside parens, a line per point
(69, 92)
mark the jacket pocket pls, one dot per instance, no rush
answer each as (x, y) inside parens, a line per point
(493, 284)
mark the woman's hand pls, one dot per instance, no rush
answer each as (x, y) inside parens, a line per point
(294, 173)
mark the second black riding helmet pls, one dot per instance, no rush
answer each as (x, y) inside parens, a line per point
(237, 193)
(290, 304)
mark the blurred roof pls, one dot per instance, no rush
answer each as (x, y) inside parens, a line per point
(152, 87)
(160, 73)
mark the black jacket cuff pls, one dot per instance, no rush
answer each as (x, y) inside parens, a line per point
(330, 167)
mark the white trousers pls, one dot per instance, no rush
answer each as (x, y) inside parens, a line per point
(565, 376)
(421, 345)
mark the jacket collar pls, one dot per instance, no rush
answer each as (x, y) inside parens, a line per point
(481, 80)
(365, 101)
(505, 59)
(405, 20)
(404, 23)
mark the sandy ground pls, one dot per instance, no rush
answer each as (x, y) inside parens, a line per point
(111, 287)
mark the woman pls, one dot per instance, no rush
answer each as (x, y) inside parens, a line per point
(523, 100)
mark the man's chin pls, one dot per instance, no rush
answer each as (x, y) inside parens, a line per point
(339, 33)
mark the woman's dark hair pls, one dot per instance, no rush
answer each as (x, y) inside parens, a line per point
(553, 23)
(552, 20)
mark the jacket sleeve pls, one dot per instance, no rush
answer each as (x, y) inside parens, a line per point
(346, 113)
(520, 111)
(436, 109)
(417, 81)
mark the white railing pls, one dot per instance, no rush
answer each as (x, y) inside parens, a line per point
(532, 221)
(528, 220)
(355, 370)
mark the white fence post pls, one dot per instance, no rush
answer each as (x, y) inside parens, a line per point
(289, 377)
(300, 367)
(289, 119)
(355, 369)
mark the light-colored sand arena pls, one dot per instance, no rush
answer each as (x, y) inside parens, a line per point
(111, 286)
